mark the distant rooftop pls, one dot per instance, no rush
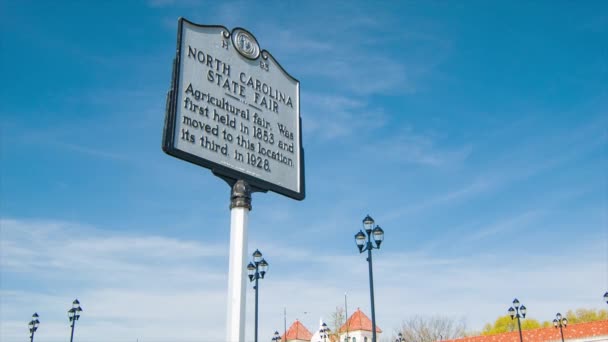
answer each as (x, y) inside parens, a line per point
(358, 321)
(590, 331)
(297, 331)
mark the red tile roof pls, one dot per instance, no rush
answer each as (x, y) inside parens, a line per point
(571, 332)
(358, 321)
(297, 331)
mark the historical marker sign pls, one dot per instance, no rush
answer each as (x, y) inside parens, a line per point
(233, 109)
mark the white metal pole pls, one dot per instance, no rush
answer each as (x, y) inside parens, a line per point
(240, 205)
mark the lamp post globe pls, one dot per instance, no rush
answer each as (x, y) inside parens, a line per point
(378, 235)
(257, 256)
(367, 241)
(368, 223)
(606, 297)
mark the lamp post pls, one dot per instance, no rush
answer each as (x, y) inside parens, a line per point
(363, 245)
(33, 325)
(560, 322)
(74, 315)
(257, 269)
(276, 337)
(519, 312)
(400, 338)
(324, 332)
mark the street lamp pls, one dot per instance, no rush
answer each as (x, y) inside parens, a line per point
(276, 337)
(363, 245)
(74, 315)
(519, 312)
(400, 338)
(560, 322)
(33, 325)
(324, 332)
(257, 269)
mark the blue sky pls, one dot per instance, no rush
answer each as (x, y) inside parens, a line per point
(475, 134)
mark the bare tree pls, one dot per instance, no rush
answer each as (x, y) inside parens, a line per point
(431, 329)
(337, 320)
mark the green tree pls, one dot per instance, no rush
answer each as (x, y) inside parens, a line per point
(505, 324)
(586, 315)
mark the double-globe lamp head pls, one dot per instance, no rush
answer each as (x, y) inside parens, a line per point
(516, 309)
(276, 337)
(370, 229)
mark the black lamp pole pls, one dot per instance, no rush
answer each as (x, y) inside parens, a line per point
(560, 322)
(256, 271)
(363, 245)
(519, 312)
(74, 315)
(33, 325)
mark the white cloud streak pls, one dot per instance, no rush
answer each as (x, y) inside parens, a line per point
(330, 117)
(155, 288)
(408, 146)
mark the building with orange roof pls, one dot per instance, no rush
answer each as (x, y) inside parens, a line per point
(297, 332)
(582, 332)
(358, 328)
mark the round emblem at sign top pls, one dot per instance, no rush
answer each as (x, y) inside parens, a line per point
(245, 44)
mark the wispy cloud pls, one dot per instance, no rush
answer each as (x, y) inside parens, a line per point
(408, 146)
(360, 74)
(93, 152)
(120, 280)
(334, 116)
(522, 161)
(156, 288)
(454, 196)
(45, 248)
(513, 223)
